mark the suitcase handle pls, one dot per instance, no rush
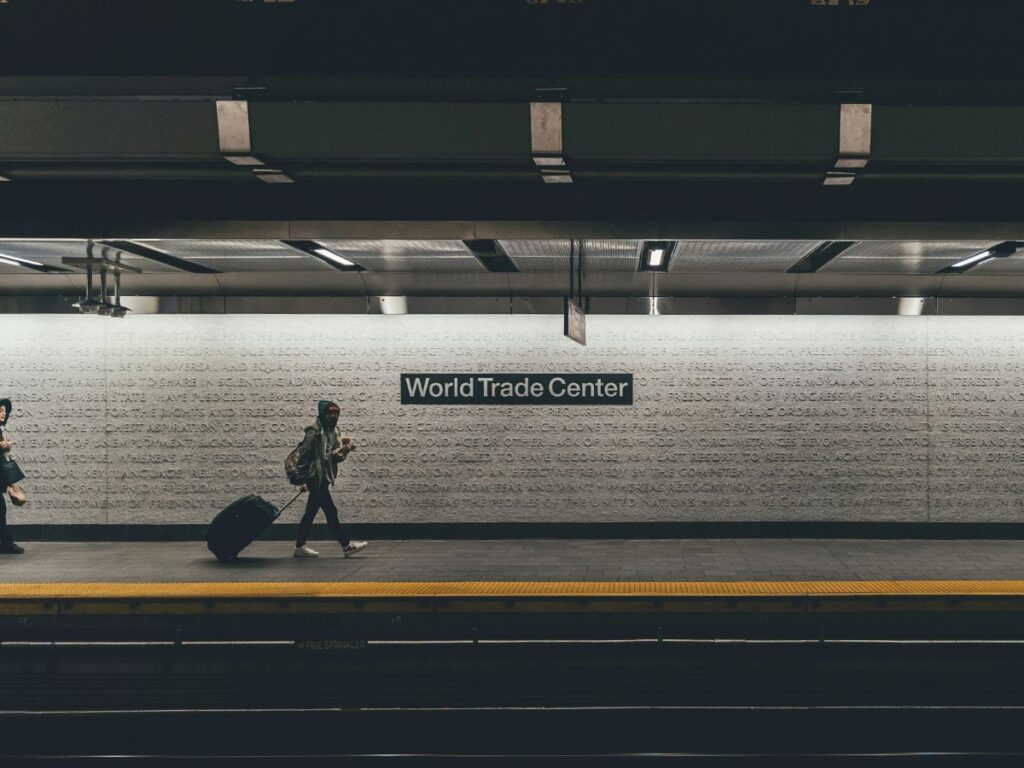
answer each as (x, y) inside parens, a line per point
(290, 502)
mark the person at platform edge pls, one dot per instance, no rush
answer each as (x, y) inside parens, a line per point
(326, 449)
(7, 545)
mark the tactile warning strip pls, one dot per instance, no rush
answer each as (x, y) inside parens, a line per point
(504, 589)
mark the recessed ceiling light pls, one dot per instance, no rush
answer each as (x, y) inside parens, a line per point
(654, 256)
(973, 259)
(316, 250)
(14, 261)
(997, 251)
(333, 257)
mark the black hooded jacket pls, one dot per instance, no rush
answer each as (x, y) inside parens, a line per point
(4, 455)
(4, 401)
(316, 440)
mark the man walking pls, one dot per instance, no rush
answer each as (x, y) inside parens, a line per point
(322, 450)
(7, 545)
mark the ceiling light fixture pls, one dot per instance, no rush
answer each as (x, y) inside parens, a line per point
(332, 256)
(655, 255)
(984, 255)
(14, 261)
(997, 251)
(326, 255)
(17, 261)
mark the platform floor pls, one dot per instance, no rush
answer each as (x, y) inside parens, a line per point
(704, 560)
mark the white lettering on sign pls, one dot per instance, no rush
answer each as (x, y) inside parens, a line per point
(517, 389)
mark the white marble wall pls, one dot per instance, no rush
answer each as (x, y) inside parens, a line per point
(167, 418)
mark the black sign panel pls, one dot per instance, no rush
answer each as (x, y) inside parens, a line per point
(517, 388)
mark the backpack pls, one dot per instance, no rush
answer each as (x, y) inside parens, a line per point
(296, 466)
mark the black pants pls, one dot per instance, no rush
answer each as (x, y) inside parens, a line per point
(5, 533)
(321, 499)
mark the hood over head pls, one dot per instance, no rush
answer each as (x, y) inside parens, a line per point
(323, 408)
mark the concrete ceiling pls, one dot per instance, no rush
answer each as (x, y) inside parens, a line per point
(405, 128)
(452, 38)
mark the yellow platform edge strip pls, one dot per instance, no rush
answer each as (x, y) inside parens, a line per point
(504, 589)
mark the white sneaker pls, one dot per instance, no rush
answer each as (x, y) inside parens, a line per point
(305, 551)
(353, 547)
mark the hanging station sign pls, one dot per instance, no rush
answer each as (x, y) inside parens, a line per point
(517, 388)
(575, 322)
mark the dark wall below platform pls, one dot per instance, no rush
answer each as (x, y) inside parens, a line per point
(568, 531)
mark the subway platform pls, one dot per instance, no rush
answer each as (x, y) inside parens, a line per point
(526, 589)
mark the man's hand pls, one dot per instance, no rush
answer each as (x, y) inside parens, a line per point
(346, 447)
(6, 445)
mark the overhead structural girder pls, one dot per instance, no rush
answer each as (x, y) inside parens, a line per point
(607, 142)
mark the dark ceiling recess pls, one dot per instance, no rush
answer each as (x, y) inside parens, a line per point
(325, 254)
(490, 254)
(997, 251)
(145, 252)
(821, 255)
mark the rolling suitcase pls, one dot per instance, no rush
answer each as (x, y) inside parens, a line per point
(239, 523)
